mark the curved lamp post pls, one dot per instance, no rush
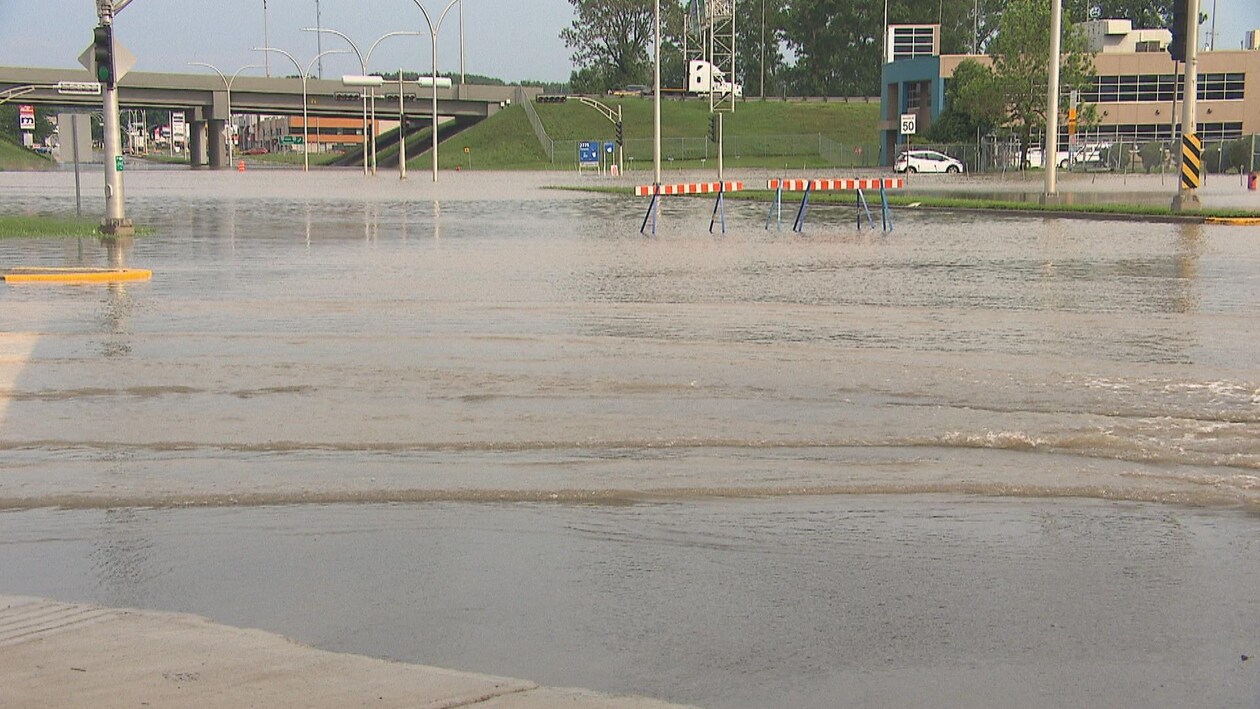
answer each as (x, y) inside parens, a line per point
(364, 59)
(306, 144)
(433, 31)
(228, 84)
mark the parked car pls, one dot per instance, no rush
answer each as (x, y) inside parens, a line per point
(1085, 154)
(632, 90)
(926, 161)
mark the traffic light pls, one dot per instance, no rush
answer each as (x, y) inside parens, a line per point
(621, 136)
(713, 127)
(1180, 30)
(103, 54)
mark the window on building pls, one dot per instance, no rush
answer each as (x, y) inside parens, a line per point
(912, 41)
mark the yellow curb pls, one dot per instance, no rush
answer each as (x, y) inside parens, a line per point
(1234, 221)
(76, 275)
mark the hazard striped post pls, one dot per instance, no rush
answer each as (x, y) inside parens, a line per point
(1191, 162)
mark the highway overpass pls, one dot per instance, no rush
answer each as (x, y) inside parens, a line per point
(204, 99)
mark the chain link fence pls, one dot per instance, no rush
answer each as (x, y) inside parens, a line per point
(816, 148)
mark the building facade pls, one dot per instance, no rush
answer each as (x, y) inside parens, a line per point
(1137, 90)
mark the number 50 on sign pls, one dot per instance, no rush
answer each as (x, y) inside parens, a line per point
(908, 123)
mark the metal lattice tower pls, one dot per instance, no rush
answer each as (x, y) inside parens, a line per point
(720, 49)
(709, 35)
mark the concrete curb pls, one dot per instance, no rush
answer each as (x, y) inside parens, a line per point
(56, 654)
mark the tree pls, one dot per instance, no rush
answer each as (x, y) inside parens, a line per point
(1145, 14)
(973, 105)
(610, 40)
(1021, 66)
(752, 44)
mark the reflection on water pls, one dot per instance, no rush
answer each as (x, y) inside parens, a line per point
(490, 337)
(725, 604)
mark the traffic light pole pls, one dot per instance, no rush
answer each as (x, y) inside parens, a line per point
(1191, 148)
(115, 223)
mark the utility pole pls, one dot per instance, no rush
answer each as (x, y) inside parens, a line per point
(1050, 146)
(1191, 148)
(115, 223)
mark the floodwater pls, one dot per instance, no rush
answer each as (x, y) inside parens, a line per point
(486, 425)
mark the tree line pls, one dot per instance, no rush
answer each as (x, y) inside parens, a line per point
(801, 47)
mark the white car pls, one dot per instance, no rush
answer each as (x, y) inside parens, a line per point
(926, 161)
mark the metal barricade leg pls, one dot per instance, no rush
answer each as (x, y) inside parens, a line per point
(799, 226)
(651, 213)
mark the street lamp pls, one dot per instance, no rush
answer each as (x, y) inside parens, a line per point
(363, 68)
(227, 83)
(306, 144)
(433, 31)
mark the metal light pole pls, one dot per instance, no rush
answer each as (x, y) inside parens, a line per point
(228, 84)
(115, 222)
(1050, 152)
(306, 144)
(363, 68)
(1187, 197)
(402, 131)
(656, 95)
(266, 42)
(433, 31)
(366, 60)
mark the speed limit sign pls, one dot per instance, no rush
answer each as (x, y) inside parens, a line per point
(908, 123)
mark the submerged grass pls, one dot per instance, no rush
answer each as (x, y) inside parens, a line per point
(1153, 212)
(39, 227)
(20, 227)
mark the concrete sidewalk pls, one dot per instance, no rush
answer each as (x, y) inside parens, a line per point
(71, 655)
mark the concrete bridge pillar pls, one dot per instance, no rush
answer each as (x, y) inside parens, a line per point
(197, 143)
(218, 143)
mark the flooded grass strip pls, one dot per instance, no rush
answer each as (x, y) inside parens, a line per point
(927, 202)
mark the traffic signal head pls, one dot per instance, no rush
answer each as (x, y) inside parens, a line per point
(621, 137)
(103, 55)
(713, 128)
(1181, 30)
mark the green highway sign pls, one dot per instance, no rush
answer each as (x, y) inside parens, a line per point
(292, 140)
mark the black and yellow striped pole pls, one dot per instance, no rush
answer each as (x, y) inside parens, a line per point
(1191, 162)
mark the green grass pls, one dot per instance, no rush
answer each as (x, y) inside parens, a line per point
(506, 140)
(16, 157)
(931, 202)
(20, 227)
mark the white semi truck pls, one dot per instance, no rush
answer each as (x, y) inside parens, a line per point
(703, 79)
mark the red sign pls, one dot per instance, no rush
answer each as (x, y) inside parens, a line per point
(26, 117)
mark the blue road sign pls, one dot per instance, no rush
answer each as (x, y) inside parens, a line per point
(588, 152)
(609, 147)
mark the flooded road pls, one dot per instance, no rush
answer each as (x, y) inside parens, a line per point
(796, 444)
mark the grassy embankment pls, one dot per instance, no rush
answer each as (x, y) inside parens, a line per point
(506, 141)
(14, 157)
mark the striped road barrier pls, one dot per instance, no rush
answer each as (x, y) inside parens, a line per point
(838, 185)
(684, 188)
(860, 185)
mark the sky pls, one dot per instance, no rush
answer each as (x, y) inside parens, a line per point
(509, 39)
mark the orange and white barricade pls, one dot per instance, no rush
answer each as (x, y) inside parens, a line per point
(687, 188)
(857, 184)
